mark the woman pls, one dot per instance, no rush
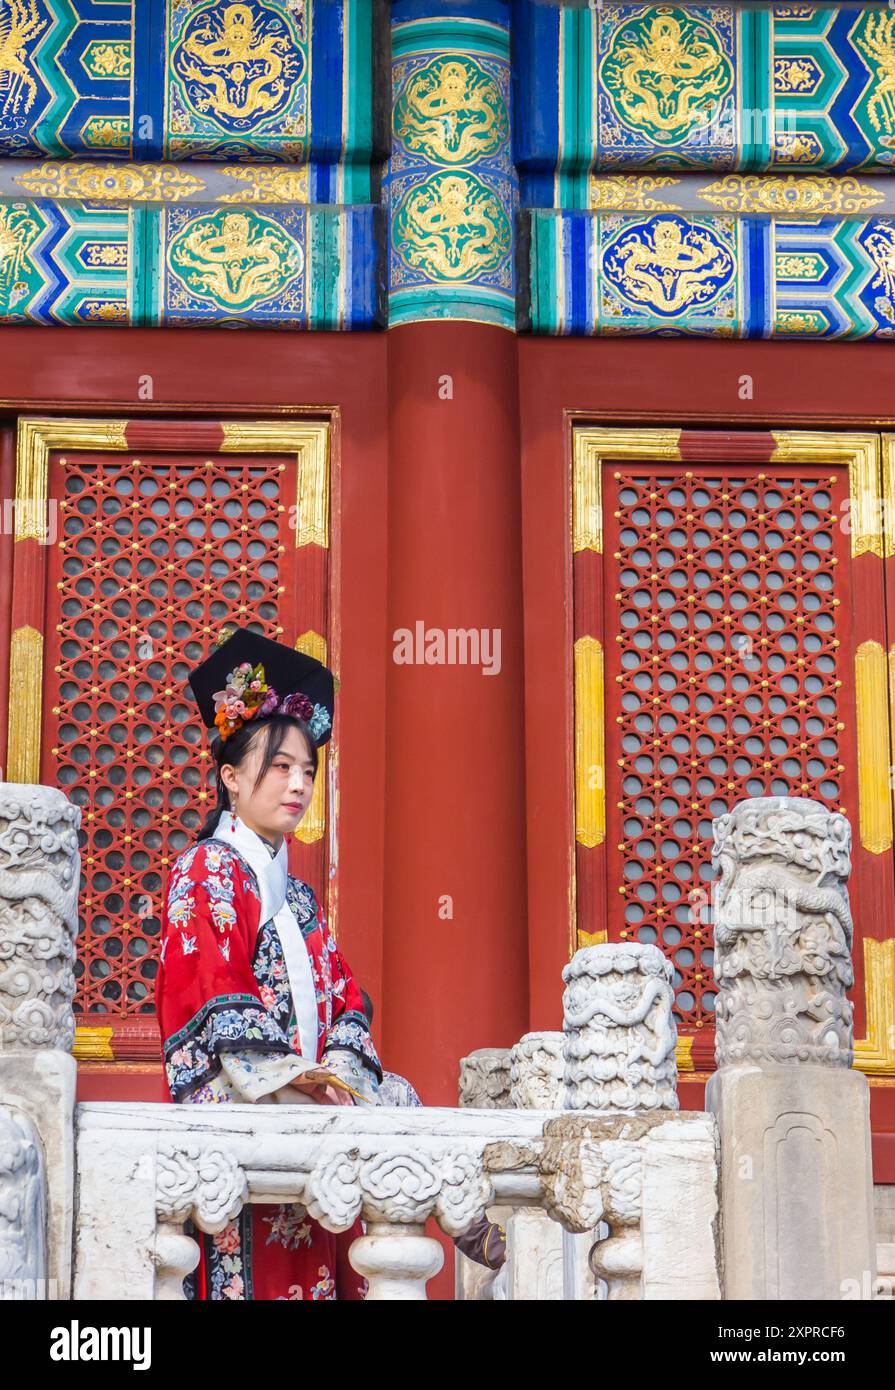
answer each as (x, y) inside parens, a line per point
(255, 1002)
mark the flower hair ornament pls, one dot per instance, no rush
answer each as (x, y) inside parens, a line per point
(247, 676)
(248, 696)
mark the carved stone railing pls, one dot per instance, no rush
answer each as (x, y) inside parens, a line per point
(653, 1178)
(632, 1182)
(599, 1165)
(145, 1169)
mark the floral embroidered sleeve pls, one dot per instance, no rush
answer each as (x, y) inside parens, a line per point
(255, 1078)
(208, 999)
(348, 1048)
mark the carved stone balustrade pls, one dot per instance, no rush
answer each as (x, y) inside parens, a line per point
(653, 1178)
(144, 1169)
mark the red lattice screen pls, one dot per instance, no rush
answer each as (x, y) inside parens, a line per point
(157, 553)
(723, 600)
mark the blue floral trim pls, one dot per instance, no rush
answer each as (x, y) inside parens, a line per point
(320, 721)
(303, 901)
(350, 1031)
(229, 1021)
(269, 968)
(397, 1090)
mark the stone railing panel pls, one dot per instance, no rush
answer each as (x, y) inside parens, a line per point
(23, 1256)
(653, 1178)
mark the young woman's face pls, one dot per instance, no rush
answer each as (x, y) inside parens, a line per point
(284, 793)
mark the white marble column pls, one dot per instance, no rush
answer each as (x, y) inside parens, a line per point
(484, 1085)
(535, 1255)
(23, 1208)
(794, 1117)
(39, 878)
(619, 1055)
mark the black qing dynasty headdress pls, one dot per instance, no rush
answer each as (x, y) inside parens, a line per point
(247, 677)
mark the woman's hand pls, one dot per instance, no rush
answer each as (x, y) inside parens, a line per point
(322, 1094)
(339, 1095)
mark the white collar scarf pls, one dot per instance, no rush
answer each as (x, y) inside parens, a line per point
(272, 873)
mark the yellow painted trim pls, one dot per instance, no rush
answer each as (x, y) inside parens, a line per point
(684, 1052)
(93, 1045)
(26, 664)
(872, 716)
(312, 644)
(587, 501)
(888, 494)
(891, 671)
(861, 454)
(310, 444)
(313, 825)
(875, 1054)
(35, 439)
(591, 448)
(591, 938)
(590, 758)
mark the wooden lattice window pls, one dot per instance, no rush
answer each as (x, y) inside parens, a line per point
(159, 545)
(729, 632)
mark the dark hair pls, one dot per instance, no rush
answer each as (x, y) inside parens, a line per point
(234, 750)
(368, 1005)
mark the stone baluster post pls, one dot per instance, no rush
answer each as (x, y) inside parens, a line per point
(793, 1115)
(396, 1187)
(535, 1253)
(620, 1040)
(39, 879)
(396, 1261)
(536, 1072)
(619, 1029)
(23, 1201)
(484, 1085)
(485, 1079)
(209, 1188)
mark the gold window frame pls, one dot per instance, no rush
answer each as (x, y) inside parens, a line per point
(870, 460)
(308, 441)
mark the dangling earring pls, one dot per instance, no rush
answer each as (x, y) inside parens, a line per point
(233, 815)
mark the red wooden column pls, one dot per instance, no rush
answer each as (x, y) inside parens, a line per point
(454, 796)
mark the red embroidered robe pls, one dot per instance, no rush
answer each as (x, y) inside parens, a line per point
(230, 1033)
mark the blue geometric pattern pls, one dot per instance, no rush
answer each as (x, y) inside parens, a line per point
(171, 79)
(287, 267)
(711, 275)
